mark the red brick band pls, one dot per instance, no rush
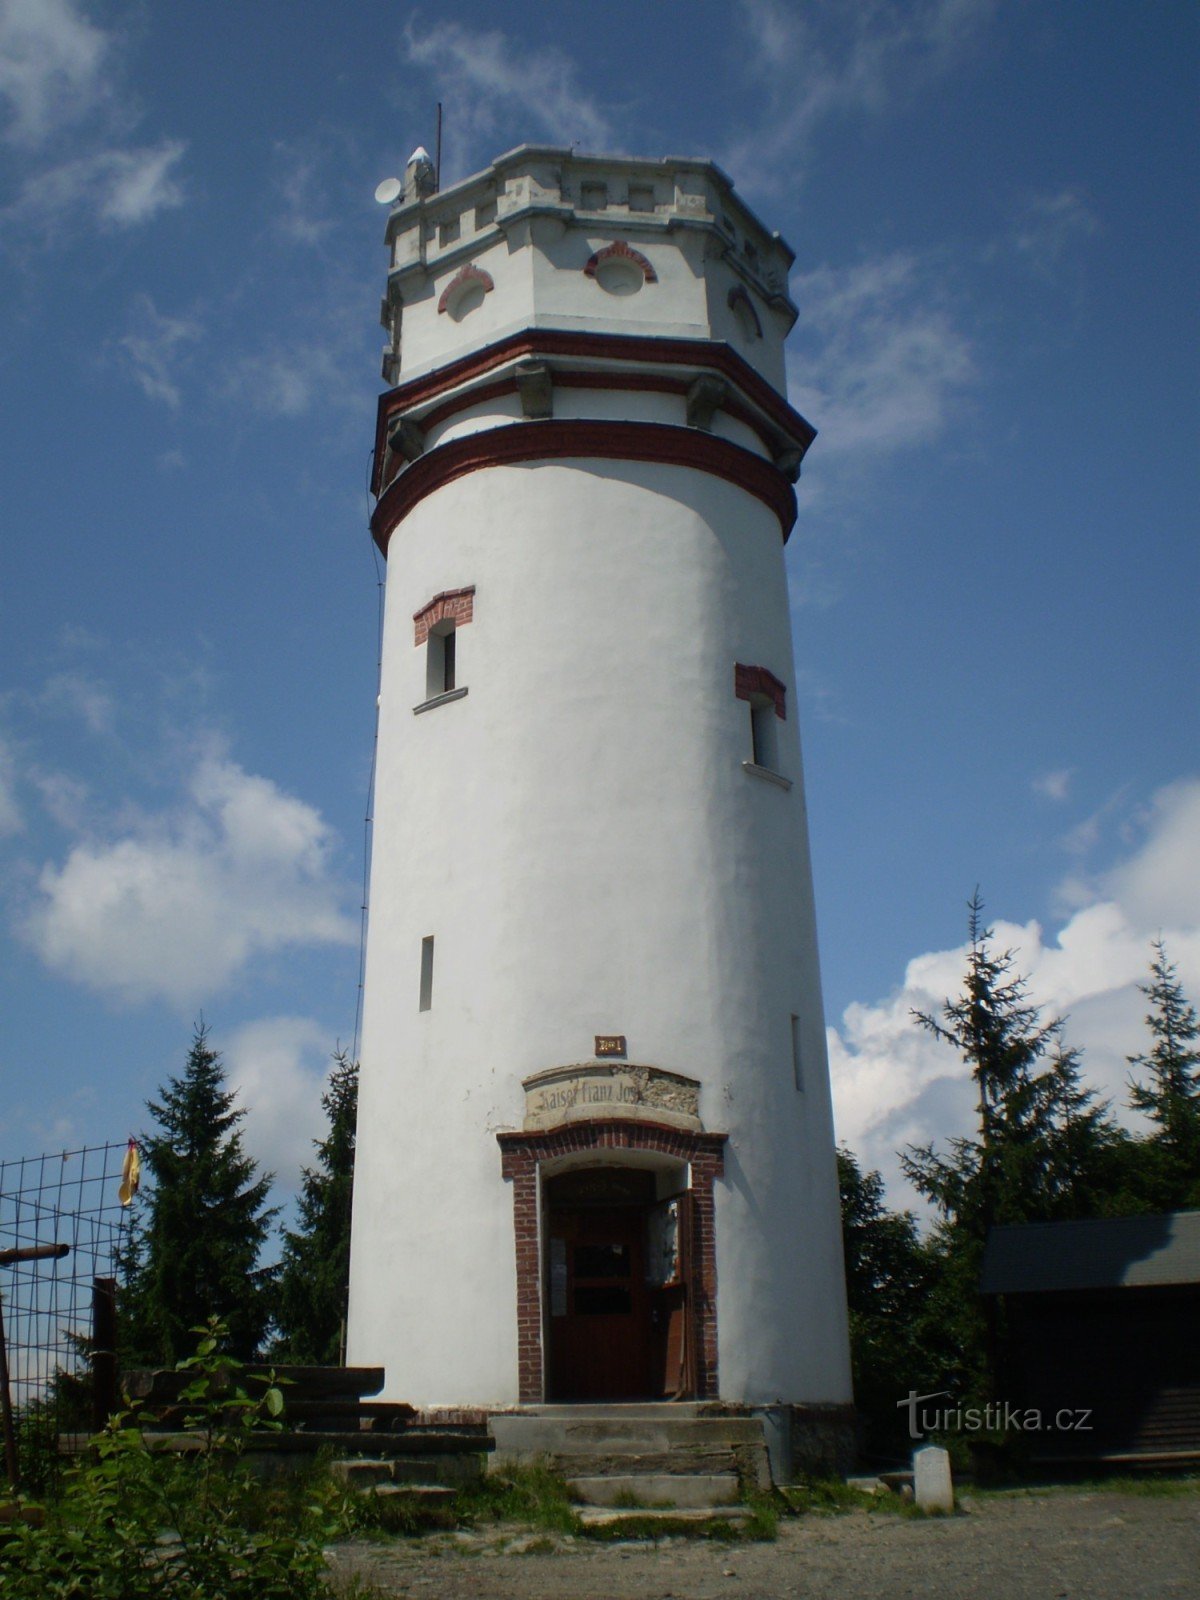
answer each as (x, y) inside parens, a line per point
(590, 378)
(520, 1155)
(642, 350)
(557, 439)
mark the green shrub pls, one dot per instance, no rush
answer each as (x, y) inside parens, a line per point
(138, 1524)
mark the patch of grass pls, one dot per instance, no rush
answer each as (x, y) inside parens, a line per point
(539, 1547)
(832, 1497)
(533, 1494)
(763, 1521)
(1149, 1484)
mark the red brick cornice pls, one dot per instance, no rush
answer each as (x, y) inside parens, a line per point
(557, 439)
(628, 350)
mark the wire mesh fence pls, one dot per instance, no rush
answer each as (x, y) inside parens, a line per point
(69, 1198)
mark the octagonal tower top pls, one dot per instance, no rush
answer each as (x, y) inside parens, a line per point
(547, 238)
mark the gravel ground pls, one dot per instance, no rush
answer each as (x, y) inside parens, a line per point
(1061, 1545)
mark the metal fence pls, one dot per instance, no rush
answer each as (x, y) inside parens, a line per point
(66, 1198)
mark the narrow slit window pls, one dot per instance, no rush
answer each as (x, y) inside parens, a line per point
(426, 973)
(797, 1056)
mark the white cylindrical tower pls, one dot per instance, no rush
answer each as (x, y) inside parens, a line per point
(595, 1148)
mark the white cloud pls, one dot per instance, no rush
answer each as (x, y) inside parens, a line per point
(288, 383)
(1049, 223)
(60, 74)
(120, 188)
(894, 1084)
(10, 811)
(502, 91)
(80, 696)
(1055, 785)
(180, 904)
(51, 64)
(877, 358)
(64, 797)
(154, 347)
(816, 63)
(279, 1065)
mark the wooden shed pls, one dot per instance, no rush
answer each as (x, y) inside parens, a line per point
(1104, 1319)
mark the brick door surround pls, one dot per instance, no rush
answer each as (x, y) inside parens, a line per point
(521, 1154)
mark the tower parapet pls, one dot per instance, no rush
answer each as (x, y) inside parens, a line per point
(568, 241)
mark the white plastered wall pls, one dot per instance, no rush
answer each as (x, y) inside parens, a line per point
(581, 837)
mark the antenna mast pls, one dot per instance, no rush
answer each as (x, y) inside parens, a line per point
(437, 167)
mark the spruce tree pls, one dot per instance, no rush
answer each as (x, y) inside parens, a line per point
(1004, 1174)
(315, 1270)
(1169, 1094)
(889, 1276)
(1043, 1148)
(195, 1251)
(1090, 1158)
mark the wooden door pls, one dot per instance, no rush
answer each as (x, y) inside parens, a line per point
(599, 1312)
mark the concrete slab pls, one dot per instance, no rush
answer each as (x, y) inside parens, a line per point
(602, 1517)
(644, 1490)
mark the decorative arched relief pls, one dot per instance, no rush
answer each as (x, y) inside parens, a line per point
(620, 269)
(465, 291)
(742, 306)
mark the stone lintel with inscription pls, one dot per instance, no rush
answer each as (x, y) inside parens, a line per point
(590, 1089)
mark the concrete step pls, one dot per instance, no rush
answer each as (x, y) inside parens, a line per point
(645, 1490)
(687, 1521)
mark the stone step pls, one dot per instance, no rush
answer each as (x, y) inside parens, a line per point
(683, 1461)
(396, 1503)
(530, 1434)
(687, 1521)
(407, 1470)
(625, 1410)
(645, 1490)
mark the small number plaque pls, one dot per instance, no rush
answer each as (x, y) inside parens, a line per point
(610, 1044)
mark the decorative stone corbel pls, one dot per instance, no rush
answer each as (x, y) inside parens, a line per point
(704, 399)
(535, 385)
(406, 438)
(788, 461)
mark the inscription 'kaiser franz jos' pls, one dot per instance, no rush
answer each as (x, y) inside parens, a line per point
(591, 1089)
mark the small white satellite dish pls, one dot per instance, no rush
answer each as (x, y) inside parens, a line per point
(389, 190)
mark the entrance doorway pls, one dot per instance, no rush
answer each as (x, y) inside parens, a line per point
(618, 1295)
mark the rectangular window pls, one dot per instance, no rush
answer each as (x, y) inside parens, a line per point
(426, 973)
(797, 1058)
(441, 660)
(762, 733)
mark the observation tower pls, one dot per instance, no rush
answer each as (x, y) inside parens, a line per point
(595, 1147)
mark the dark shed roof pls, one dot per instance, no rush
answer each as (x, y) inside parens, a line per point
(1104, 1253)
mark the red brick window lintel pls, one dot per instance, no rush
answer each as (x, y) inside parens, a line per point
(757, 683)
(457, 605)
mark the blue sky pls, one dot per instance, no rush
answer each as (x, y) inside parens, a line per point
(994, 574)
